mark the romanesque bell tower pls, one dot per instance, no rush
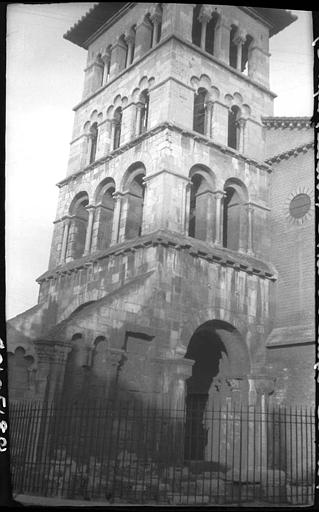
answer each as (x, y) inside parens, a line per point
(160, 283)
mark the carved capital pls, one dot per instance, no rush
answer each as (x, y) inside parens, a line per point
(107, 55)
(240, 36)
(130, 36)
(205, 14)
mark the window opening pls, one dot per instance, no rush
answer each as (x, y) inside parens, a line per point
(233, 127)
(197, 26)
(199, 120)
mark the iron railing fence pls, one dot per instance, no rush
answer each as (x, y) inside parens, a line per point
(130, 452)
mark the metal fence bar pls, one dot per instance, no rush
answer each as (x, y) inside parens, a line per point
(132, 453)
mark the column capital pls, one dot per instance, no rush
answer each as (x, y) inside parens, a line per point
(156, 17)
(219, 193)
(129, 36)
(117, 195)
(107, 55)
(67, 218)
(119, 42)
(205, 14)
(209, 104)
(242, 121)
(90, 207)
(240, 37)
(143, 20)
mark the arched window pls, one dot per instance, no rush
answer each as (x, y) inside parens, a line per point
(157, 22)
(93, 137)
(235, 217)
(144, 100)
(245, 54)
(103, 221)
(196, 181)
(202, 205)
(233, 127)
(197, 26)
(233, 48)
(78, 228)
(135, 208)
(210, 34)
(199, 118)
(131, 217)
(117, 127)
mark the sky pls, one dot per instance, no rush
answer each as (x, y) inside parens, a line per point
(44, 82)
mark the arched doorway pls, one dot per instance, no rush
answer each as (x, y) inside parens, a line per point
(221, 364)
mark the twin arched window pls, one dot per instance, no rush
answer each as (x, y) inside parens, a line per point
(204, 214)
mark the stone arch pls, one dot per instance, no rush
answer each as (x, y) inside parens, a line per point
(235, 215)
(220, 369)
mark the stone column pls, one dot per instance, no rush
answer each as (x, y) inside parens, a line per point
(250, 249)
(106, 58)
(186, 203)
(88, 238)
(66, 228)
(239, 40)
(209, 115)
(242, 125)
(139, 107)
(219, 194)
(112, 131)
(116, 217)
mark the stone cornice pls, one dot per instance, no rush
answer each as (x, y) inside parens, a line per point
(286, 122)
(153, 131)
(196, 248)
(290, 152)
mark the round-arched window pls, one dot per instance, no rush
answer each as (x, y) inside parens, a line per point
(299, 206)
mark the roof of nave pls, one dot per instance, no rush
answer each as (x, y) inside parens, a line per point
(303, 148)
(106, 12)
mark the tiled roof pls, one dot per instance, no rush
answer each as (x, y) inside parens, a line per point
(103, 12)
(303, 148)
(286, 122)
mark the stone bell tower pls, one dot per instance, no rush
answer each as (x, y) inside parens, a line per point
(160, 280)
